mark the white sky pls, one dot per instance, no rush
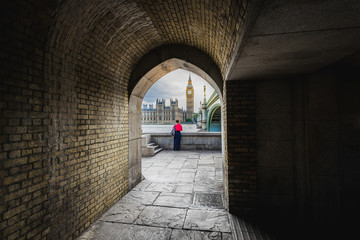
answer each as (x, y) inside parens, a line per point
(173, 85)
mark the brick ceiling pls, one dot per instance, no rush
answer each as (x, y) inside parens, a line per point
(117, 34)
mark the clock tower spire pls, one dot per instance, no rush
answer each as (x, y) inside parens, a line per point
(189, 99)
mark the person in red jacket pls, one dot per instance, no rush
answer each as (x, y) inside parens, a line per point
(177, 137)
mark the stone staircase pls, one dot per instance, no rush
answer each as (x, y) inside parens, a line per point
(156, 148)
(245, 230)
(149, 149)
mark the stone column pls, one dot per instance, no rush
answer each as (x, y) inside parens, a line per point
(199, 119)
(203, 108)
(240, 148)
(203, 116)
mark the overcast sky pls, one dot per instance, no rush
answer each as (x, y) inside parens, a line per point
(173, 85)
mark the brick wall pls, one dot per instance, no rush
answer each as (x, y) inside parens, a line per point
(64, 127)
(64, 100)
(23, 175)
(240, 145)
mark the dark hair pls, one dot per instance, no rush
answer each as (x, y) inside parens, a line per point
(177, 121)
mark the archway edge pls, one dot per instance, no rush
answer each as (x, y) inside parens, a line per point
(211, 112)
(151, 68)
(161, 55)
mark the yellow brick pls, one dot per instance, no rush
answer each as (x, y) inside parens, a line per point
(13, 179)
(14, 211)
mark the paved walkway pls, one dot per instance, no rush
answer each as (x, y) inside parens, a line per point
(181, 197)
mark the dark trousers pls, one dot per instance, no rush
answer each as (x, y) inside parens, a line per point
(177, 140)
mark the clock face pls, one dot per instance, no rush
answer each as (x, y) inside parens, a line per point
(189, 92)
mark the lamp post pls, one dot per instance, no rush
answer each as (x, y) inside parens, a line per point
(203, 108)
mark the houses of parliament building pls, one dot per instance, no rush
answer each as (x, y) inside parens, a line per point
(162, 114)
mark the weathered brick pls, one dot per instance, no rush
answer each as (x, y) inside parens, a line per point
(14, 146)
(14, 122)
(26, 152)
(14, 138)
(240, 148)
(14, 211)
(15, 154)
(25, 137)
(68, 94)
(13, 179)
(14, 235)
(14, 170)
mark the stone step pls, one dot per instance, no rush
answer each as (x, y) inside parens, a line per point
(152, 145)
(242, 229)
(157, 150)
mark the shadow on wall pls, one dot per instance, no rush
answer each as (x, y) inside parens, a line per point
(308, 137)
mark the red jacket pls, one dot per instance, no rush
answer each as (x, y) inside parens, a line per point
(178, 127)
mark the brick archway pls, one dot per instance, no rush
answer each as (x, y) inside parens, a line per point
(66, 88)
(140, 85)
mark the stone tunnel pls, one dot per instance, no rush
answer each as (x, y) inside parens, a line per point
(73, 75)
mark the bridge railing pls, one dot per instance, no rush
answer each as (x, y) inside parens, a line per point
(189, 141)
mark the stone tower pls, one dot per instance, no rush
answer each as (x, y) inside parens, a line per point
(190, 99)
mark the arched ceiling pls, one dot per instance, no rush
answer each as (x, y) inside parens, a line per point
(188, 58)
(116, 34)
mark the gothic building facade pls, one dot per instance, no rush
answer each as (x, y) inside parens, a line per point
(162, 114)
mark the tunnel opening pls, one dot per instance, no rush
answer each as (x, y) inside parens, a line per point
(198, 168)
(135, 104)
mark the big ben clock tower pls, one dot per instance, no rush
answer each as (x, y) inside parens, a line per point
(190, 99)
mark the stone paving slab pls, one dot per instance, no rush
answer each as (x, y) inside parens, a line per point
(160, 187)
(208, 220)
(167, 176)
(123, 213)
(142, 185)
(176, 165)
(199, 235)
(208, 188)
(219, 175)
(179, 200)
(146, 164)
(117, 231)
(160, 164)
(190, 165)
(151, 169)
(184, 188)
(188, 170)
(212, 200)
(207, 167)
(140, 197)
(181, 154)
(193, 156)
(186, 177)
(206, 161)
(204, 177)
(162, 217)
